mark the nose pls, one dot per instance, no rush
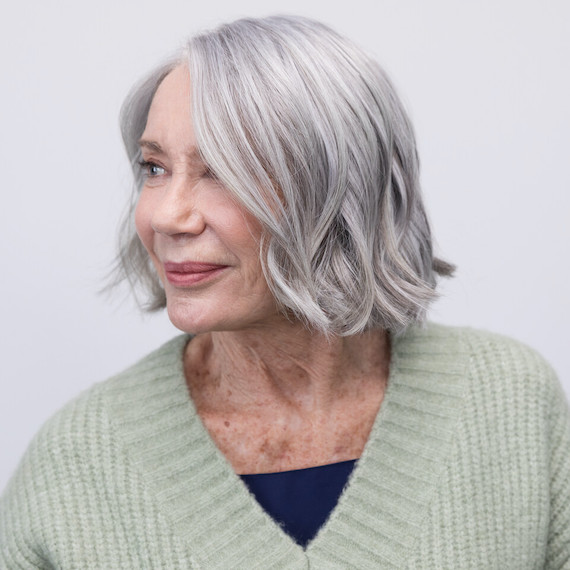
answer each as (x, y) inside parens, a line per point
(178, 211)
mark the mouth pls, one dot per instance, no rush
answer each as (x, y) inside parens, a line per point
(191, 272)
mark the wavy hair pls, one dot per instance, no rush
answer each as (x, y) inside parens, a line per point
(307, 132)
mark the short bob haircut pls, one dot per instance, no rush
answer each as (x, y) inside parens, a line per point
(307, 132)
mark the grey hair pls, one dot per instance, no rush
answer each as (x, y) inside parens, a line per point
(308, 133)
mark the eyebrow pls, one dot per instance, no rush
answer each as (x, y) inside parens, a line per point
(151, 145)
(193, 155)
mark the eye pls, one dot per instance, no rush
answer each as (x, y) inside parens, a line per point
(151, 169)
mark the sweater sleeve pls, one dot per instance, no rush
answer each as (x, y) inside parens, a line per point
(76, 501)
(558, 548)
(55, 510)
(21, 514)
(47, 503)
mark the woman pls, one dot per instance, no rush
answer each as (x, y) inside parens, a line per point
(307, 418)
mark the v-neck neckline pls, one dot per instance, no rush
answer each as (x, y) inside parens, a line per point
(379, 514)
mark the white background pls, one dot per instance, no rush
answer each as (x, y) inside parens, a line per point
(487, 85)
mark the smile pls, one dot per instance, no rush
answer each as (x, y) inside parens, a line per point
(191, 272)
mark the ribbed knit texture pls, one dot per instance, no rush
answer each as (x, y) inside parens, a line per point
(467, 466)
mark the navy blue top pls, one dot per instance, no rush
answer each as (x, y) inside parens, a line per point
(300, 500)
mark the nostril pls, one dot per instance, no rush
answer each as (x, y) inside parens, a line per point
(178, 222)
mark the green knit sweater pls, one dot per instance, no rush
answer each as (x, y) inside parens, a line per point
(467, 466)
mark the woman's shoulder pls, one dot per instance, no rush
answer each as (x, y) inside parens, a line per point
(499, 407)
(83, 428)
(162, 364)
(80, 460)
(490, 350)
(165, 361)
(497, 366)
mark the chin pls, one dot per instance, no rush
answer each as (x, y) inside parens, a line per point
(197, 318)
(189, 320)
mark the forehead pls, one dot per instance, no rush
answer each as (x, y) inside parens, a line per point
(174, 88)
(169, 118)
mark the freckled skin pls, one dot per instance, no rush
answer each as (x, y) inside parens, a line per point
(260, 431)
(271, 440)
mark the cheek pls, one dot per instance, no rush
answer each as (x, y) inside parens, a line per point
(143, 222)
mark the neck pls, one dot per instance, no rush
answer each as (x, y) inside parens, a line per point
(288, 364)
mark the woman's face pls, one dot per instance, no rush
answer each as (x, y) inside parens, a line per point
(204, 245)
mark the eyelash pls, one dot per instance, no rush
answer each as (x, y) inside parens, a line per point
(146, 165)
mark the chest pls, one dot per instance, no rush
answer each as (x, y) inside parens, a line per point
(272, 439)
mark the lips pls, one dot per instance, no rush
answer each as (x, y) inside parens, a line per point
(191, 272)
